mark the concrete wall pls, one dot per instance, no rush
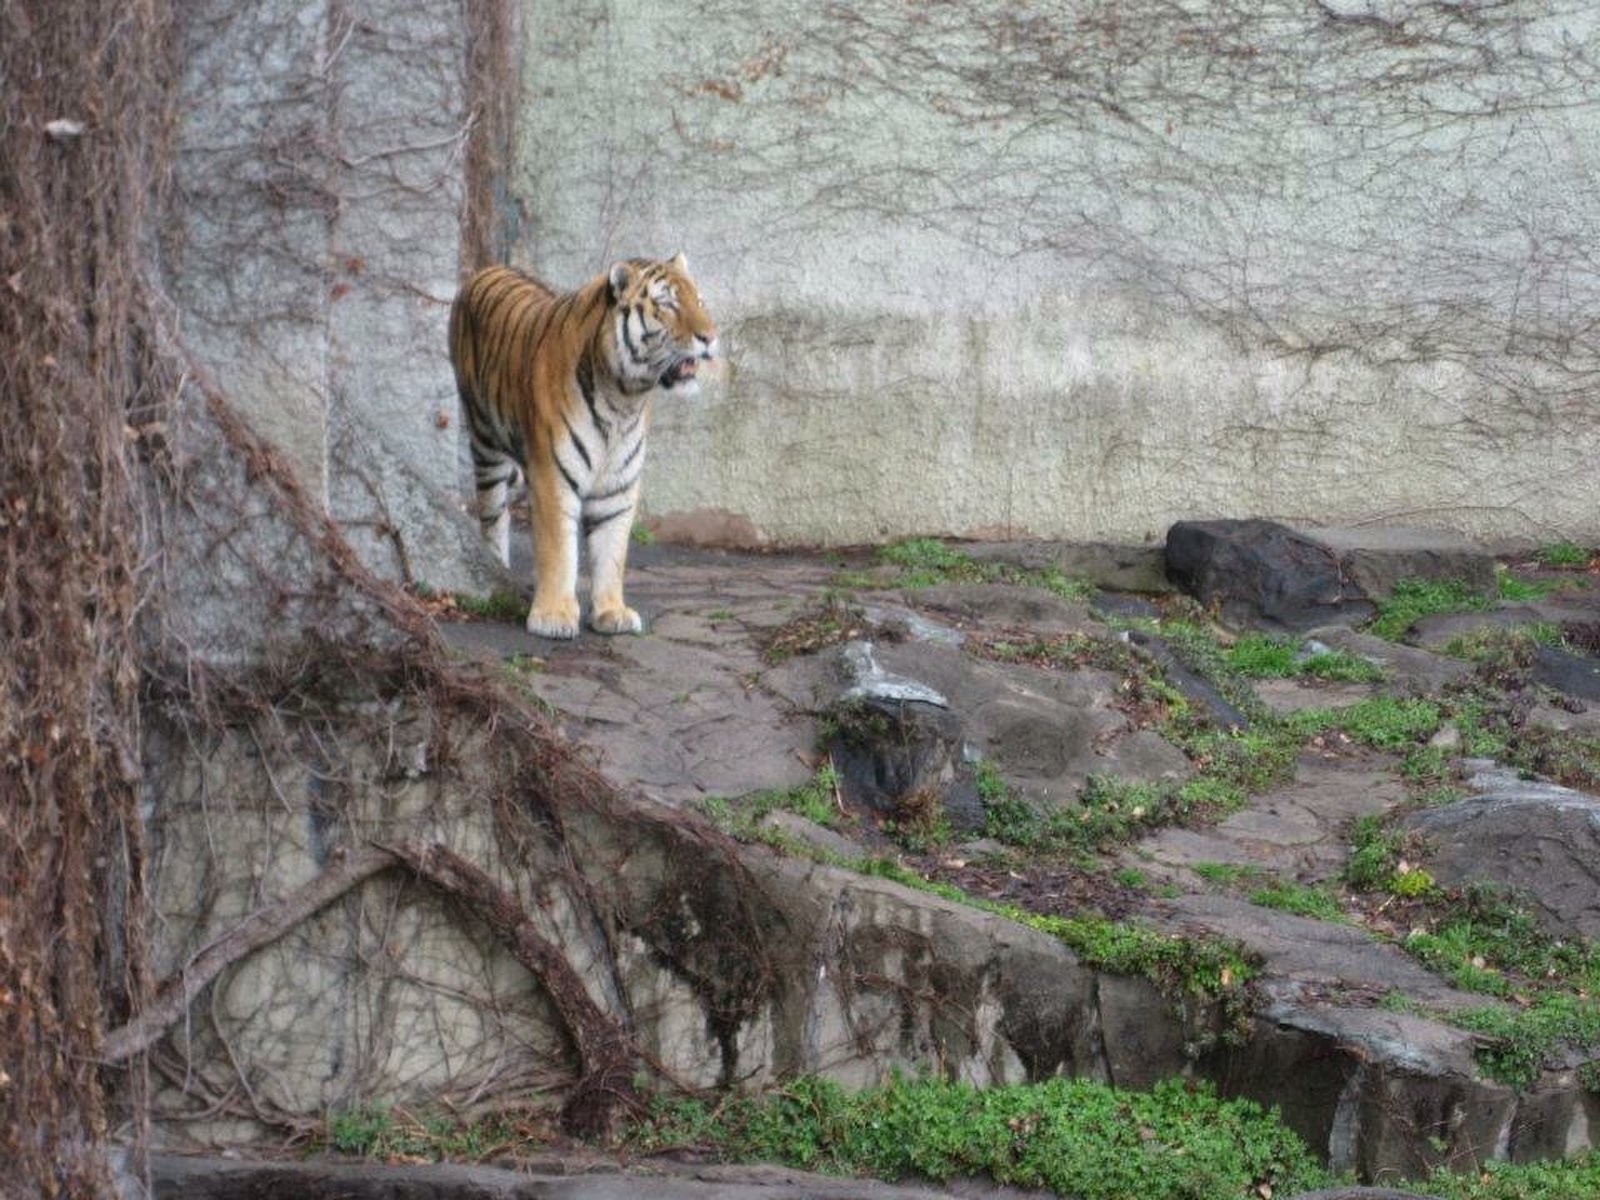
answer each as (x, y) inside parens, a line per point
(1079, 270)
(313, 248)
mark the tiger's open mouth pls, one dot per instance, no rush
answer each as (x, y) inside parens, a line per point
(679, 372)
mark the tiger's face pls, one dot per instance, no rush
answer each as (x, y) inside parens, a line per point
(661, 333)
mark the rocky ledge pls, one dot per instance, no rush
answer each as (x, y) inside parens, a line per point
(1066, 733)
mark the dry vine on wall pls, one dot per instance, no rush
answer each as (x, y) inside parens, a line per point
(168, 589)
(83, 133)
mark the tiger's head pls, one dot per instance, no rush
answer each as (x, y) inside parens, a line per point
(660, 332)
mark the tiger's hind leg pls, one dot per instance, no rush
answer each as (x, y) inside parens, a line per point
(495, 474)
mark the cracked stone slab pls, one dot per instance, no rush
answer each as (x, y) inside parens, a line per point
(1302, 955)
(1410, 671)
(1297, 830)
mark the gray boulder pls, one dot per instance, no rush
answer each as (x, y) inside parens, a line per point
(1537, 838)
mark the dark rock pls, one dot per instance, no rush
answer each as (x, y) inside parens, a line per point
(1045, 730)
(1576, 675)
(1260, 572)
(1199, 691)
(1537, 838)
(1121, 604)
(904, 759)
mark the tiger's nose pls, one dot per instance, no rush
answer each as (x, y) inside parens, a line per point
(706, 347)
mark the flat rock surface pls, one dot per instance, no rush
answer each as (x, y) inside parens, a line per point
(1297, 831)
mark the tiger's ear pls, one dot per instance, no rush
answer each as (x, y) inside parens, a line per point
(681, 262)
(618, 278)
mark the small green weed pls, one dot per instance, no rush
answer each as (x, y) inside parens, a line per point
(1513, 587)
(814, 800)
(1263, 656)
(497, 606)
(1528, 1037)
(1564, 1179)
(1413, 599)
(1562, 554)
(373, 1131)
(1243, 761)
(1108, 809)
(1226, 874)
(359, 1131)
(1300, 899)
(1487, 940)
(991, 787)
(1209, 968)
(642, 535)
(1376, 852)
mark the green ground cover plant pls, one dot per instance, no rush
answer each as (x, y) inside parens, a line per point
(1178, 1141)
(1413, 599)
(1204, 968)
(1383, 722)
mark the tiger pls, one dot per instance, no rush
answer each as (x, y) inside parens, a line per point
(556, 388)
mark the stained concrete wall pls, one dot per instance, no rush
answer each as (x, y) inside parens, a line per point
(312, 250)
(1082, 269)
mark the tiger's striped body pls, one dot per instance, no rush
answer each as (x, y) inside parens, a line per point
(557, 388)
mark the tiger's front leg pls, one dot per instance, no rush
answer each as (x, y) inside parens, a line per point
(607, 524)
(555, 558)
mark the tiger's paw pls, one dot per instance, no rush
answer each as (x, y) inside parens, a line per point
(616, 620)
(559, 620)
